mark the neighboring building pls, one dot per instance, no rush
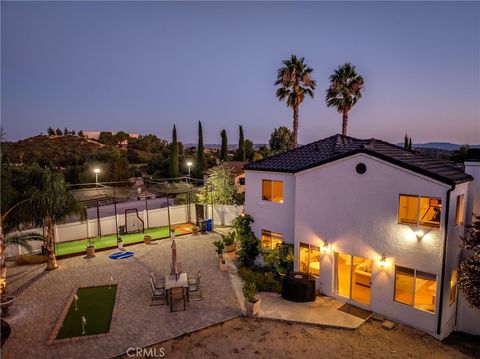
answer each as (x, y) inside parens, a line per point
(378, 225)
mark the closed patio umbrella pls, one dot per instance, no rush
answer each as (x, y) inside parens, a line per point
(174, 269)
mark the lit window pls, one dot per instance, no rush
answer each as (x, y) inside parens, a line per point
(453, 286)
(459, 214)
(424, 211)
(415, 288)
(270, 240)
(272, 191)
(309, 259)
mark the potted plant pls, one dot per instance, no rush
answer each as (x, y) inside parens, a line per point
(195, 229)
(252, 303)
(219, 246)
(120, 243)
(90, 247)
(223, 265)
(147, 239)
(229, 240)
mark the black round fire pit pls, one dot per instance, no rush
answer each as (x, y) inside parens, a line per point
(298, 287)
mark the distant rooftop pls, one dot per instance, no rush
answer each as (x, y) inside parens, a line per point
(338, 146)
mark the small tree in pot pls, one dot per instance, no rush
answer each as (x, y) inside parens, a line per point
(90, 247)
(219, 246)
(252, 303)
(229, 240)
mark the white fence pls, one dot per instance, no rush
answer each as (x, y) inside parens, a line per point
(222, 216)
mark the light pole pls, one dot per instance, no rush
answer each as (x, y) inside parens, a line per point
(189, 164)
(97, 171)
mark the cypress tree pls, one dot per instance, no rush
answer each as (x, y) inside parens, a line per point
(405, 141)
(224, 149)
(173, 171)
(410, 143)
(201, 164)
(241, 146)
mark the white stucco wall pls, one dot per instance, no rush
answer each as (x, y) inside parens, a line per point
(275, 217)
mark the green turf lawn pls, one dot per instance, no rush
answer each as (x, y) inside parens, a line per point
(96, 305)
(109, 241)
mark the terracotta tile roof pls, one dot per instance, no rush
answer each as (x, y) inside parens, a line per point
(338, 146)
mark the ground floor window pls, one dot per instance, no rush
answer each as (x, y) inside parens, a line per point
(353, 276)
(453, 286)
(309, 259)
(415, 288)
(270, 240)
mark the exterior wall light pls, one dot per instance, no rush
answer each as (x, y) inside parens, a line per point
(419, 232)
(325, 247)
(383, 261)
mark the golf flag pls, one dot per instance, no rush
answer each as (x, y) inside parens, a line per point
(76, 297)
(84, 320)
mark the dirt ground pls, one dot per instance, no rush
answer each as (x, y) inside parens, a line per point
(258, 338)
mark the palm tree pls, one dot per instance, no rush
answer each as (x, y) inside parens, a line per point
(295, 81)
(344, 91)
(49, 202)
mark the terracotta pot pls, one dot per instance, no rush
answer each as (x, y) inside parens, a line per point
(5, 303)
(231, 247)
(195, 229)
(253, 308)
(223, 265)
(91, 251)
(147, 239)
(120, 245)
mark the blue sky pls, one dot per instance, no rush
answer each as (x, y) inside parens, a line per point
(143, 66)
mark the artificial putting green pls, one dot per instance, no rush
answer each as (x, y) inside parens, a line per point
(79, 246)
(96, 305)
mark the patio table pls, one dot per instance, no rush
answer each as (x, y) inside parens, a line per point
(171, 281)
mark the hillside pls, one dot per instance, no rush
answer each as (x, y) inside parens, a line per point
(61, 150)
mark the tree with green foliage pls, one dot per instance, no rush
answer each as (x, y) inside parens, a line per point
(295, 82)
(241, 145)
(410, 143)
(281, 140)
(58, 132)
(51, 131)
(201, 163)
(81, 134)
(220, 188)
(106, 138)
(173, 170)
(121, 137)
(344, 91)
(224, 148)
(281, 257)
(469, 271)
(407, 142)
(249, 150)
(249, 244)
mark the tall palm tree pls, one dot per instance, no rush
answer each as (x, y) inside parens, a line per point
(344, 91)
(49, 202)
(295, 81)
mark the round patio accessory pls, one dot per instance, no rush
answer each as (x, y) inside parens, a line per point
(298, 287)
(361, 168)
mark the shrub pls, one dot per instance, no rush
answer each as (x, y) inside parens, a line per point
(281, 258)
(265, 280)
(219, 246)
(249, 249)
(229, 238)
(250, 291)
(242, 224)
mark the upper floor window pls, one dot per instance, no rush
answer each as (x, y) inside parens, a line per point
(272, 191)
(460, 212)
(424, 211)
(270, 240)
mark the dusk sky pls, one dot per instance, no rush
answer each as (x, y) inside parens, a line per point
(143, 66)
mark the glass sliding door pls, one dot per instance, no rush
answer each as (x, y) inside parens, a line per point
(353, 276)
(344, 263)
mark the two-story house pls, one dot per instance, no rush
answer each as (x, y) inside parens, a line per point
(379, 226)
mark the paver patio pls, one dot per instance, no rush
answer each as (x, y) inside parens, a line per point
(41, 296)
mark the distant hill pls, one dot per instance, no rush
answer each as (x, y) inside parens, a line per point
(59, 149)
(444, 146)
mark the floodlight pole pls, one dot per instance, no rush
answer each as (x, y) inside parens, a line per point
(168, 211)
(99, 226)
(115, 208)
(146, 205)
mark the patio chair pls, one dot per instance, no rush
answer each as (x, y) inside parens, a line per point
(177, 294)
(194, 291)
(158, 294)
(192, 281)
(160, 283)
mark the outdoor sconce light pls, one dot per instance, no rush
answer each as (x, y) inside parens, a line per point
(383, 261)
(325, 247)
(419, 232)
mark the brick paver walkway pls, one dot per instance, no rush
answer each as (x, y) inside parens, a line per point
(40, 302)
